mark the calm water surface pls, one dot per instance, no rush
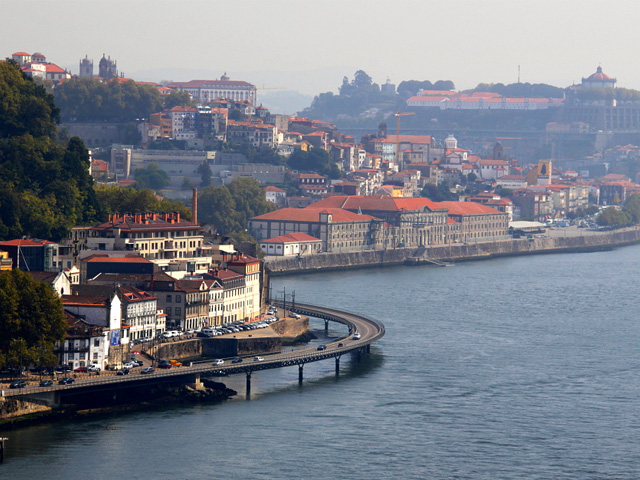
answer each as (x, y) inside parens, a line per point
(523, 367)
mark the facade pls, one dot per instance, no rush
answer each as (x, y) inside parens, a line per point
(291, 244)
(161, 237)
(339, 230)
(84, 344)
(478, 223)
(207, 90)
(33, 254)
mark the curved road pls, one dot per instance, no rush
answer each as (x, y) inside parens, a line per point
(370, 331)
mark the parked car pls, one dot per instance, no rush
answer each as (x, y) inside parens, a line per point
(92, 368)
(66, 381)
(128, 365)
(80, 370)
(175, 363)
(46, 383)
(236, 360)
(18, 384)
(217, 362)
(164, 365)
(147, 370)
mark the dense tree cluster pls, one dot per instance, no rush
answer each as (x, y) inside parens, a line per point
(151, 177)
(409, 88)
(314, 160)
(91, 100)
(521, 90)
(230, 207)
(439, 193)
(45, 187)
(31, 320)
(127, 200)
(354, 97)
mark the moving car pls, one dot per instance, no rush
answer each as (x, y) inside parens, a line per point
(46, 383)
(356, 336)
(217, 362)
(236, 360)
(66, 381)
(18, 384)
(322, 347)
(258, 359)
(147, 370)
(124, 371)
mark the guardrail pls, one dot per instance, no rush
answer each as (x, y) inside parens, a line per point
(371, 331)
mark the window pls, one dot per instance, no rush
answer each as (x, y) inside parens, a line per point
(178, 311)
(168, 310)
(178, 298)
(168, 298)
(96, 343)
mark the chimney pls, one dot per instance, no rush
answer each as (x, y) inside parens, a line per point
(177, 217)
(194, 206)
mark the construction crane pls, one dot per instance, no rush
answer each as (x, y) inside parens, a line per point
(399, 160)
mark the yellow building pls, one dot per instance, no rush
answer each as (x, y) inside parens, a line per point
(5, 262)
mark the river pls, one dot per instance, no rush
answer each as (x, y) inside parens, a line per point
(522, 367)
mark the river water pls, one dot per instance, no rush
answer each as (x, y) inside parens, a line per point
(523, 367)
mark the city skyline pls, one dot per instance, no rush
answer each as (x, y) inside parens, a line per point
(298, 46)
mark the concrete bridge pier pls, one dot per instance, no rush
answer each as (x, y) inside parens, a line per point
(248, 389)
(368, 348)
(326, 327)
(337, 366)
(300, 370)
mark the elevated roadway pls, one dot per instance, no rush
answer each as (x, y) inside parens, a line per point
(369, 331)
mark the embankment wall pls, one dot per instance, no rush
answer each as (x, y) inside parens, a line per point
(470, 251)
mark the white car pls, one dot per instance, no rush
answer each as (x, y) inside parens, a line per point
(356, 336)
(128, 366)
(217, 362)
(258, 359)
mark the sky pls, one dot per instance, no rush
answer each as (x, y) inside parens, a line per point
(310, 46)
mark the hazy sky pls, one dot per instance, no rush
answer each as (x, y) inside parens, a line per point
(310, 45)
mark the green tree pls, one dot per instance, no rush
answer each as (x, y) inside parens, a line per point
(440, 193)
(612, 217)
(151, 177)
(45, 186)
(217, 207)
(205, 173)
(249, 199)
(31, 319)
(178, 99)
(313, 160)
(122, 200)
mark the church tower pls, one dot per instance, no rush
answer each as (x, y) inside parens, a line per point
(450, 142)
(498, 151)
(86, 68)
(107, 69)
(382, 129)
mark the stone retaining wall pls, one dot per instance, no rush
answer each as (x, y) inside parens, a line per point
(11, 408)
(470, 251)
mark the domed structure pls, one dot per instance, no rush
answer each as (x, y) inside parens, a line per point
(599, 80)
(86, 67)
(107, 68)
(450, 142)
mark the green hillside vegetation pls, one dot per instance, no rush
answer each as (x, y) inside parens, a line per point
(45, 186)
(90, 100)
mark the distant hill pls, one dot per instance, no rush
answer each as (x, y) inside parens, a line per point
(286, 102)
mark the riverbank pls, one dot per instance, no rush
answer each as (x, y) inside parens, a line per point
(24, 413)
(554, 241)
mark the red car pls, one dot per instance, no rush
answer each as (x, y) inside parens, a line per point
(81, 370)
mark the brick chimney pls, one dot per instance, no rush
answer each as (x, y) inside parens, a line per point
(194, 206)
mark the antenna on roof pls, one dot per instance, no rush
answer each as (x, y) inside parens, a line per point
(518, 73)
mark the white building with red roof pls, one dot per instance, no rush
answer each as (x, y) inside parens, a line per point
(208, 90)
(291, 244)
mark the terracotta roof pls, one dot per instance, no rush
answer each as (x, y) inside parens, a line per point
(25, 243)
(376, 202)
(271, 188)
(468, 208)
(292, 238)
(312, 214)
(106, 259)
